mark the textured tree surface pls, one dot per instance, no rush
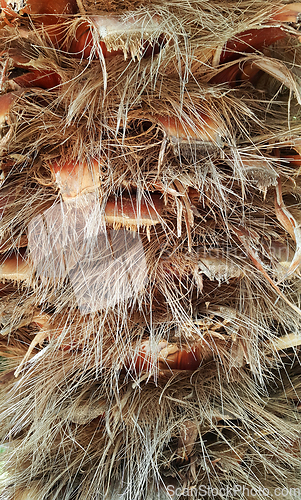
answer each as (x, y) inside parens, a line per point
(150, 249)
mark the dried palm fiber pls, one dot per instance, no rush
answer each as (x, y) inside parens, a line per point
(150, 249)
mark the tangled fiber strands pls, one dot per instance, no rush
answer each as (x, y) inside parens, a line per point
(150, 249)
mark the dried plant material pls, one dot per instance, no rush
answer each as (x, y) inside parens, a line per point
(74, 179)
(202, 129)
(188, 438)
(6, 102)
(286, 342)
(249, 71)
(280, 72)
(46, 17)
(15, 268)
(23, 494)
(29, 78)
(38, 340)
(150, 253)
(106, 36)
(166, 357)
(289, 13)
(250, 41)
(127, 34)
(100, 6)
(105, 267)
(16, 314)
(291, 226)
(129, 212)
(261, 172)
(42, 321)
(238, 73)
(244, 237)
(263, 36)
(217, 268)
(169, 358)
(82, 46)
(86, 411)
(21, 7)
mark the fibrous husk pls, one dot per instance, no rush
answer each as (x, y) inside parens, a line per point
(150, 249)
